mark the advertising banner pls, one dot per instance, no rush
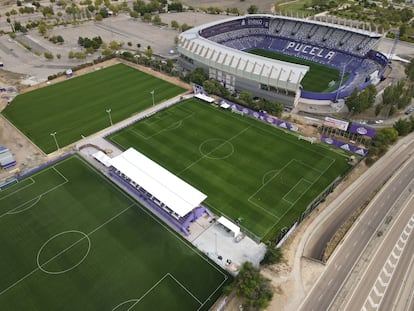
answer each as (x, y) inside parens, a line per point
(345, 146)
(339, 124)
(361, 129)
(262, 115)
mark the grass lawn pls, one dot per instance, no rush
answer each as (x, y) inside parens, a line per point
(71, 240)
(249, 170)
(296, 7)
(318, 77)
(78, 105)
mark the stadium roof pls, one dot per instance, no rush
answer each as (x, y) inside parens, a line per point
(174, 192)
(282, 75)
(254, 67)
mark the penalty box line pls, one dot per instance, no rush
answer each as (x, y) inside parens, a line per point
(12, 211)
(168, 274)
(20, 189)
(321, 174)
(173, 125)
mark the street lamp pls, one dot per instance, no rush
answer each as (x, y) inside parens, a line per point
(56, 142)
(152, 93)
(109, 114)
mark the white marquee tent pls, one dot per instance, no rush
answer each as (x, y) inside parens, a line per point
(174, 192)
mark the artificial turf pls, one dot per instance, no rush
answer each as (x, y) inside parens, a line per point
(251, 172)
(71, 240)
(317, 79)
(78, 106)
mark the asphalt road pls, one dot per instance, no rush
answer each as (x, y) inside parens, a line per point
(317, 243)
(330, 289)
(379, 286)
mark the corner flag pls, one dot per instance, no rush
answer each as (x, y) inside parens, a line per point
(152, 92)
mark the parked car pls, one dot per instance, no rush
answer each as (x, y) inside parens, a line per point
(409, 110)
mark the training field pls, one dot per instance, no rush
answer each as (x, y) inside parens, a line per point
(72, 241)
(318, 77)
(78, 105)
(249, 170)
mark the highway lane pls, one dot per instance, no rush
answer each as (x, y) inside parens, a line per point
(379, 286)
(395, 299)
(326, 290)
(317, 243)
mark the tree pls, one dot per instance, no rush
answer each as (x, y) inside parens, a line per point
(352, 100)
(273, 255)
(48, 55)
(197, 76)
(403, 127)
(148, 52)
(42, 28)
(113, 45)
(47, 11)
(156, 20)
(409, 70)
(253, 287)
(253, 9)
(246, 97)
(185, 27)
(174, 24)
(147, 17)
(134, 14)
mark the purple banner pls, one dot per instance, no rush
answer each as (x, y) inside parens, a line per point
(345, 146)
(361, 129)
(261, 115)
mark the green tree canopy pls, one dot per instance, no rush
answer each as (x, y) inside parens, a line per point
(253, 287)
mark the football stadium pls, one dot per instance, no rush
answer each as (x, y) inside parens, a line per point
(266, 54)
(107, 226)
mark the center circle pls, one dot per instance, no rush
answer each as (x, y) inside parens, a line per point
(216, 149)
(72, 245)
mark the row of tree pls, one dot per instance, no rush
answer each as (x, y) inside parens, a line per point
(359, 102)
(198, 76)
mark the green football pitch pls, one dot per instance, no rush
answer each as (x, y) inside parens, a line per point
(318, 77)
(250, 171)
(78, 106)
(71, 240)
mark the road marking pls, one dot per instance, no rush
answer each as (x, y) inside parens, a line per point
(330, 281)
(388, 268)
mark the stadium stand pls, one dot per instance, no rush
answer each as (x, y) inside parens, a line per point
(167, 195)
(219, 48)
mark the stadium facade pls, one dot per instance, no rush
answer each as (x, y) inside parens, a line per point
(221, 47)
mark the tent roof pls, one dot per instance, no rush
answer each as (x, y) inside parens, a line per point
(6, 158)
(228, 224)
(204, 97)
(102, 157)
(178, 195)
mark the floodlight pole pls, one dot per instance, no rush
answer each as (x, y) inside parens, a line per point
(56, 142)
(152, 94)
(109, 114)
